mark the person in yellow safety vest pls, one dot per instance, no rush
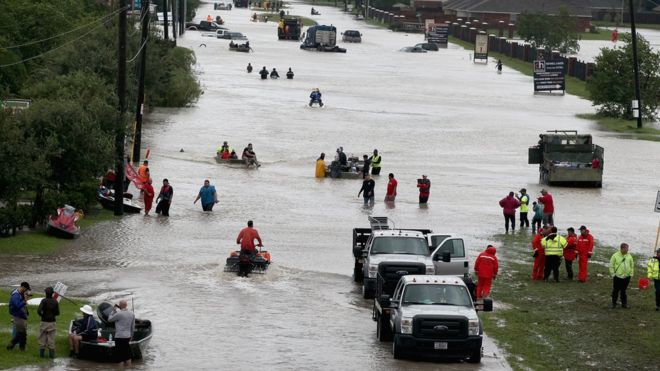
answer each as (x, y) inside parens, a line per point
(553, 245)
(524, 208)
(622, 268)
(375, 163)
(320, 166)
(224, 148)
(653, 273)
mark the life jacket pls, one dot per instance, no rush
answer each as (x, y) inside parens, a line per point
(375, 161)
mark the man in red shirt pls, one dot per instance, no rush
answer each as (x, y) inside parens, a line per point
(391, 189)
(486, 267)
(585, 248)
(539, 256)
(246, 239)
(570, 252)
(424, 186)
(548, 207)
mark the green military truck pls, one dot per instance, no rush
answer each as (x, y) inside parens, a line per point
(568, 158)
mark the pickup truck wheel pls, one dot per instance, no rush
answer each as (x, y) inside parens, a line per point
(367, 293)
(192, 28)
(396, 348)
(357, 273)
(475, 357)
(383, 330)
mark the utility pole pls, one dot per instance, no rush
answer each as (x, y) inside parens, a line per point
(121, 95)
(638, 103)
(174, 12)
(182, 16)
(165, 24)
(137, 141)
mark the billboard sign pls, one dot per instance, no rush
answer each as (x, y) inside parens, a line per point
(549, 75)
(481, 48)
(438, 34)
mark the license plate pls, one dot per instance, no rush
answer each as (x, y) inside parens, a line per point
(440, 345)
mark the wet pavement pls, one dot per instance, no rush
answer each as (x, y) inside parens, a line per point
(436, 113)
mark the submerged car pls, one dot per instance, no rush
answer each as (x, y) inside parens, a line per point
(428, 46)
(413, 49)
(351, 36)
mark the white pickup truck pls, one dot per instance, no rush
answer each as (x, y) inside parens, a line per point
(431, 315)
(392, 253)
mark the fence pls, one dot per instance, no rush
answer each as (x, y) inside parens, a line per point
(522, 51)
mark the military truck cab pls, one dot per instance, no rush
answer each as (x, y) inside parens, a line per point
(431, 315)
(568, 158)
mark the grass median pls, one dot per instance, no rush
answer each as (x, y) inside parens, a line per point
(569, 325)
(39, 242)
(69, 310)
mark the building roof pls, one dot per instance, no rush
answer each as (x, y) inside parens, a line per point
(605, 4)
(575, 7)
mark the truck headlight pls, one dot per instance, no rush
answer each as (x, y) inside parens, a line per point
(373, 270)
(473, 329)
(430, 270)
(406, 325)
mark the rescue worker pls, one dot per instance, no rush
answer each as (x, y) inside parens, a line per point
(486, 267)
(249, 156)
(365, 166)
(539, 255)
(143, 172)
(424, 186)
(375, 160)
(509, 205)
(224, 151)
(548, 207)
(249, 68)
(341, 157)
(367, 190)
(289, 73)
(274, 74)
(538, 215)
(653, 273)
(264, 73)
(524, 207)
(320, 166)
(553, 245)
(209, 18)
(585, 248)
(246, 239)
(570, 252)
(622, 268)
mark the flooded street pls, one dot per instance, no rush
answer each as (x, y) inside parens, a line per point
(436, 113)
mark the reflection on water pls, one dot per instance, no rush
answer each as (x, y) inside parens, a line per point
(435, 113)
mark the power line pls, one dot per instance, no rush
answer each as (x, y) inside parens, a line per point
(51, 50)
(62, 34)
(138, 52)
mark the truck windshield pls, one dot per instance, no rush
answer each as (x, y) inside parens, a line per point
(399, 245)
(437, 294)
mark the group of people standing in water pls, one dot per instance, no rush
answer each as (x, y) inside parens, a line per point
(273, 74)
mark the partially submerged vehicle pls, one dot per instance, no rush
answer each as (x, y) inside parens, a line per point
(243, 48)
(243, 265)
(289, 28)
(427, 46)
(106, 198)
(104, 350)
(63, 224)
(351, 36)
(353, 169)
(222, 6)
(323, 39)
(413, 49)
(568, 158)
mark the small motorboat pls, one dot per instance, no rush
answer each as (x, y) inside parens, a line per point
(106, 198)
(103, 349)
(63, 225)
(245, 265)
(352, 171)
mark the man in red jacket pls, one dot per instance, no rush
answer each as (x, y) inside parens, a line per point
(539, 255)
(486, 267)
(509, 204)
(548, 207)
(585, 248)
(570, 252)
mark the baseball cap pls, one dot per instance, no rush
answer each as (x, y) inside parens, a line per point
(583, 228)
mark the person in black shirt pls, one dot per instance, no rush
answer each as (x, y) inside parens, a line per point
(367, 190)
(49, 308)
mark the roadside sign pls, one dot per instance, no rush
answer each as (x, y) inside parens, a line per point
(137, 4)
(59, 291)
(481, 48)
(657, 203)
(438, 34)
(549, 75)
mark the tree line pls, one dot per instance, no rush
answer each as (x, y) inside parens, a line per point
(55, 151)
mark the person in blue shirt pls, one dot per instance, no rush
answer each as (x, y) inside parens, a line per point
(208, 195)
(19, 313)
(315, 97)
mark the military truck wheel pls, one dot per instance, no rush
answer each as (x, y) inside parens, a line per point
(475, 357)
(396, 348)
(383, 330)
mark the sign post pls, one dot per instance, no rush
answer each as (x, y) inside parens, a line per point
(481, 48)
(657, 232)
(549, 76)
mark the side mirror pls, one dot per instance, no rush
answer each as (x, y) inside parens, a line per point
(394, 304)
(488, 305)
(446, 257)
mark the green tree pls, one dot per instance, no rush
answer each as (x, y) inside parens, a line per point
(612, 84)
(551, 32)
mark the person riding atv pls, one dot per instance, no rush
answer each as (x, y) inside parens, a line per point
(315, 97)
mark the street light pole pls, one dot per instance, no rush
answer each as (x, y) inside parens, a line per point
(635, 67)
(121, 123)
